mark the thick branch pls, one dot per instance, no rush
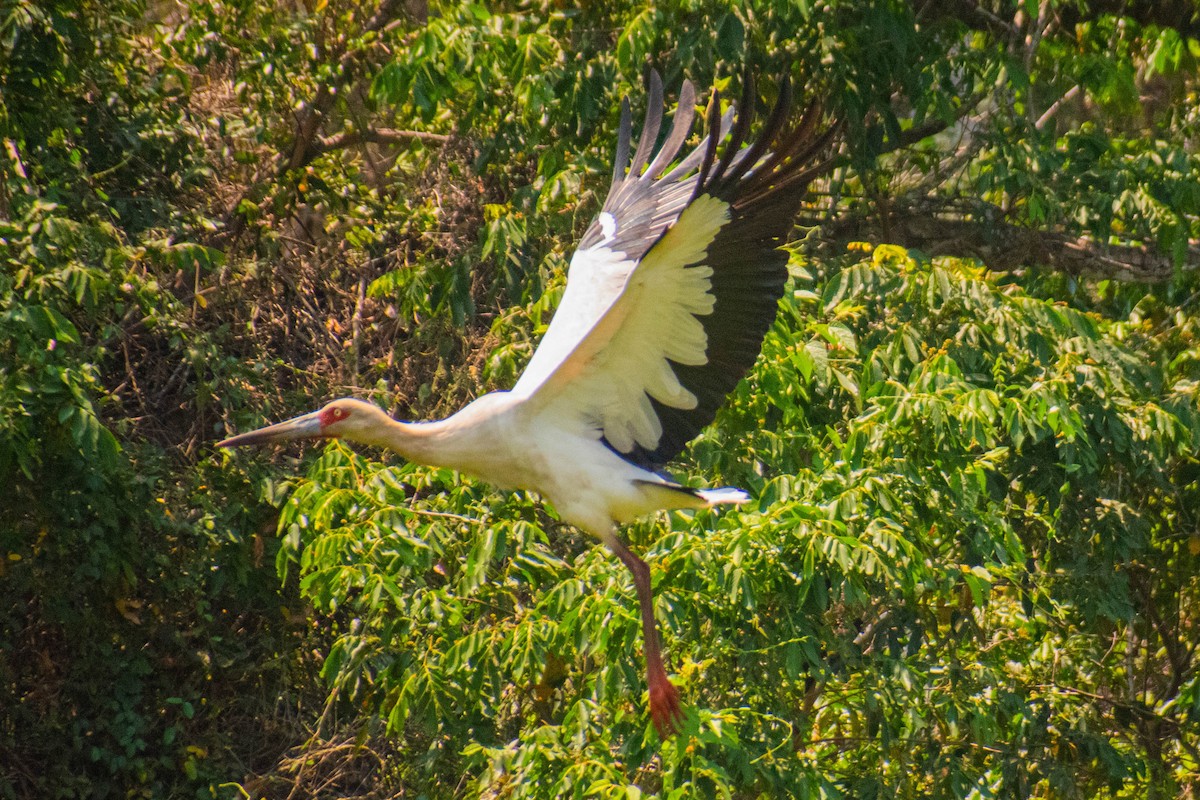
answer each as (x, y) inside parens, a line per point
(941, 228)
(307, 143)
(1056, 106)
(310, 116)
(1181, 15)
(931, 127)
(372, 136)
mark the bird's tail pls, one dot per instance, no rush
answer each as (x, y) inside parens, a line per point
(728, 494)
(672, 495)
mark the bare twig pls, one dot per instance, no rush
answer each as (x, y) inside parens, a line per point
(1056, 106)
(356, 328)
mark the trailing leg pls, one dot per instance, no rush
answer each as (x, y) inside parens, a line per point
(665, 709)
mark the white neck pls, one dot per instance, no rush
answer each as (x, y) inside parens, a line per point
(473, 440)
(420, 442)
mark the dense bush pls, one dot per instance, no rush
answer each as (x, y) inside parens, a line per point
(130, 597)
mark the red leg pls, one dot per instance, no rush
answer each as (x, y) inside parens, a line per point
(665, 709)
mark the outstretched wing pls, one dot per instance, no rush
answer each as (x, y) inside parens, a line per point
(678, 279)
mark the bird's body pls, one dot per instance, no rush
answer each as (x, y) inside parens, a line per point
(502, 438)
(667, 301)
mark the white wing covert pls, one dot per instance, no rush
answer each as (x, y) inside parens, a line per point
(677, 280)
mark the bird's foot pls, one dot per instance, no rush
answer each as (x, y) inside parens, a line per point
(666, 712)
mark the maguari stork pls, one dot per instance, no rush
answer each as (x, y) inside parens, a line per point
(668, 298)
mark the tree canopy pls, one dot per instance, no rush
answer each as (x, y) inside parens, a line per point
(970, 565)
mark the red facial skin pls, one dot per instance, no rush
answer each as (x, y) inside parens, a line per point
(332, 415)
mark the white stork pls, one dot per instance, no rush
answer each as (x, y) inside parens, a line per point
(668, 298)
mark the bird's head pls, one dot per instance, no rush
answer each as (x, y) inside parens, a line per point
(347, 417)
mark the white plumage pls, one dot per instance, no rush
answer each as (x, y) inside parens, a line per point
(667, 301)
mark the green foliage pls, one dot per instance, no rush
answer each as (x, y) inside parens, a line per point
(970, 566)
(96, 117)
(125, 599)
(114, 621)
(1098, 173)
(968, 515)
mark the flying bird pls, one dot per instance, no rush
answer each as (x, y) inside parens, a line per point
(668, 298)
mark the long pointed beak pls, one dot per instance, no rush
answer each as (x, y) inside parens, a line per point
(305, 427)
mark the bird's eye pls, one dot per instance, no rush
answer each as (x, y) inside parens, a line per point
(332, 415)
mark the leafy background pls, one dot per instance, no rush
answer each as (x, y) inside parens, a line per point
(970, 566)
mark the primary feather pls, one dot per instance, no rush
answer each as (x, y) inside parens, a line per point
(677, 280)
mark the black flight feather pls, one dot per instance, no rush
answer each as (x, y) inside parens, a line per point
(763, 183)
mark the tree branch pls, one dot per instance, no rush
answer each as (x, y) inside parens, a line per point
(307, 144)
(1182, 15)
(1056, 106)
(372, 136)
(979, 230)
(310, 115)
(931, 127)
